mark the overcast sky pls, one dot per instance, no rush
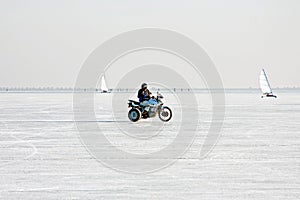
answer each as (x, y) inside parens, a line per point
(44, 43)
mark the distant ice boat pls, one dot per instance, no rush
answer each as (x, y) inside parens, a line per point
(103, 87)
(265, 85)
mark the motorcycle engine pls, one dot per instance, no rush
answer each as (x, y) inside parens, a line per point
(152, 111)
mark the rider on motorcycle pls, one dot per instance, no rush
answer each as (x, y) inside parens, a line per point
(144, 96)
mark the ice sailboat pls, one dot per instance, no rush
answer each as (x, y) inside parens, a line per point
(265, 85)
(103, 86)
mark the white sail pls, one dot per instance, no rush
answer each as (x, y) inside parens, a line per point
(264, 83)
(103, 85)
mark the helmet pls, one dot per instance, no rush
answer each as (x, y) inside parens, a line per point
(144, 85)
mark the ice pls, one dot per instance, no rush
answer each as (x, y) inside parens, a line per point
(256, 157)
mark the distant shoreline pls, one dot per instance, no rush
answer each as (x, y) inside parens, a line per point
(133, 90)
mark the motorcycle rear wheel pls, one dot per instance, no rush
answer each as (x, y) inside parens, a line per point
(134, 115)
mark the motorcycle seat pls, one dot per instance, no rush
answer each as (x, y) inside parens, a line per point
(135, 102)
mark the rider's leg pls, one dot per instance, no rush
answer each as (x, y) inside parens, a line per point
(146, 106)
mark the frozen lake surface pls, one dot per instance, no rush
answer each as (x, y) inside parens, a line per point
(256, 157)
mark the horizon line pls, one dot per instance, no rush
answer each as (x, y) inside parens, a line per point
(115, 89)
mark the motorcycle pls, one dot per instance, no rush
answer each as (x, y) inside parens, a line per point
(138, 111)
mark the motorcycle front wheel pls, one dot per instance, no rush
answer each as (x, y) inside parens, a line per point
(165, 114)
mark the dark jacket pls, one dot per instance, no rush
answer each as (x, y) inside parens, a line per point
(144, 95)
